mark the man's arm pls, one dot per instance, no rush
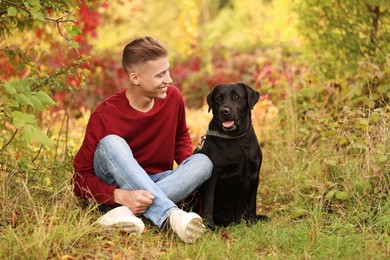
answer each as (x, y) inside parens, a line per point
(183, 147)
(85, 183)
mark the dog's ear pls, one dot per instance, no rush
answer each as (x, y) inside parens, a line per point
(210, 98)
(253, 95)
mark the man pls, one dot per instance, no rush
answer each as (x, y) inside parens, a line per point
(131, 142)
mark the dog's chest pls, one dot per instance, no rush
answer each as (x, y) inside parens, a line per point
(228, 154)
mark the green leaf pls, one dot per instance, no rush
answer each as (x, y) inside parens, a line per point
(27, 133)
(42, 137)
(44, 98)
(73, 44)
(47, 181)
(330, 195)
(342, 140)
(21, 119)
(14, 83)
(14, 103)
(36, 3)
(38, 15)
(12, 11)
(375, 117)
(36, 103)
(21, 87)
(363, 121)
(9, 88)
(382, 158)
(298, 212)
(18, 122)
(73, 30)
(363, 186)
(26, 82)
(341, 195)
(23, 99)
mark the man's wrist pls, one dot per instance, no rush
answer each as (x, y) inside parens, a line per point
(117, 197)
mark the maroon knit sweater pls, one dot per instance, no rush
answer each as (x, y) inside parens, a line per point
(157, 138)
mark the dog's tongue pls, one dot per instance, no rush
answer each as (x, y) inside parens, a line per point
(227, 124)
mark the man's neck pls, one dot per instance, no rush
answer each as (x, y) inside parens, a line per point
(139, 102)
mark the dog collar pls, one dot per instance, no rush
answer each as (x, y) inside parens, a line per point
(216, 134)
(223, 136)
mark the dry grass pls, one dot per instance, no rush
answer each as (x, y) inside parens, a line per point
(41, 218)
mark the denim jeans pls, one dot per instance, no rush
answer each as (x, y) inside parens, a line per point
(115, 164)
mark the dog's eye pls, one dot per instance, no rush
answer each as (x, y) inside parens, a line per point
(219, 98)
(236, 97)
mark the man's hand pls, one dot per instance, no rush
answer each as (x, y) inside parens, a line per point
(138, 201)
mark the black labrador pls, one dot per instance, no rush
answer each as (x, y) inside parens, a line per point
(231, 143)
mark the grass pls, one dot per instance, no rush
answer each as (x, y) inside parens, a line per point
(325, 201)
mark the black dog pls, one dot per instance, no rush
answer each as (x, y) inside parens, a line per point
(230, 194)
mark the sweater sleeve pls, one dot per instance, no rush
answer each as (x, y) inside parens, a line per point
(183, 147)
(85, 183)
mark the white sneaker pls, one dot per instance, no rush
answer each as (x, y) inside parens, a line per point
(188, 226)
(122, 217)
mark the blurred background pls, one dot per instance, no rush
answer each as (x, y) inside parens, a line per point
(71, 50)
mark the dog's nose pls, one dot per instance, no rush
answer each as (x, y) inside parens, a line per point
(225, 110)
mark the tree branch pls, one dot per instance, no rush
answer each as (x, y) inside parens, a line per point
(12, 138)
(58, 21)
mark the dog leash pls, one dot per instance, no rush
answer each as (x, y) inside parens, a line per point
(216, 134)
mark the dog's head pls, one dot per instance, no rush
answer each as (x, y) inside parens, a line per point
(231, 104)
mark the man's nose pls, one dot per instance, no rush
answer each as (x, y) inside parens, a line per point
(168, 79)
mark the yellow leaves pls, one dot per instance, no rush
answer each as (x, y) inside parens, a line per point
(252, 22)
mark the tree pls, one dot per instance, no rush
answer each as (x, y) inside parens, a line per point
(42, 52)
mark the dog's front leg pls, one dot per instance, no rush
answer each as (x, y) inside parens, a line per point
(207, 194)
(250, 213)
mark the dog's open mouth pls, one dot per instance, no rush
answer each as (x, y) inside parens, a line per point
(228, 125)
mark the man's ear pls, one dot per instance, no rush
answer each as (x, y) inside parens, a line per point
(134, 78)
(253, 95)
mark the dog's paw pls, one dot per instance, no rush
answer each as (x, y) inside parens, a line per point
(258, 218)
(263, 218)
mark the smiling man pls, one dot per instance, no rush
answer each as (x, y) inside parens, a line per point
(131, 142)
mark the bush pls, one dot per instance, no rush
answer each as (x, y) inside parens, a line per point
(348, 40)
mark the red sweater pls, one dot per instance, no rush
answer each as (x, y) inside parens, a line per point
(156, 138)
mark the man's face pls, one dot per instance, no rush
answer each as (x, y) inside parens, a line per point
(153, 78)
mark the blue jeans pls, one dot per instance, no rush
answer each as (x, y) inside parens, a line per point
(115, 164)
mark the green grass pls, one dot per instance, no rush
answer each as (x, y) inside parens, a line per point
(37, 228)
(326, 202)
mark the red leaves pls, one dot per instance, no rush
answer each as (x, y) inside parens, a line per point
(89, 20)
(259, 69)
(225, 236)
